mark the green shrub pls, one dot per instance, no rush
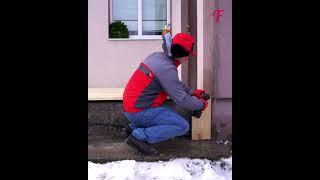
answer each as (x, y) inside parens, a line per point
(118, 29)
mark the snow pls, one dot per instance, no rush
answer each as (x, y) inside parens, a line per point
(175, 169)
(224, 142)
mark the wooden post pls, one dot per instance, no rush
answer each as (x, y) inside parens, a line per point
(176, 18)
(184, 29)
(201, 128)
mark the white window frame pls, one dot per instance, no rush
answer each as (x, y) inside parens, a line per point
(140, 36)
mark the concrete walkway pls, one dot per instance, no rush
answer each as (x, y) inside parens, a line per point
(101, 150)
(106, 138)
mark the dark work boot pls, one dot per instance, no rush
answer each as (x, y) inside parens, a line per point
(141, 146)
(127, 130)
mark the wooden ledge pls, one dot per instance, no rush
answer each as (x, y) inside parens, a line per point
(101, 94)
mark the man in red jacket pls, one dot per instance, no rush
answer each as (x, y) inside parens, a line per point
(147, 91)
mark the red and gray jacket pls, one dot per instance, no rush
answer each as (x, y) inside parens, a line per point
(155, 79)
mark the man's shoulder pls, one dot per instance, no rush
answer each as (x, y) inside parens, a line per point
(161, 55)
(158, 58)
(160, 63)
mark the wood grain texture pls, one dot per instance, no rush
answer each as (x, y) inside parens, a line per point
(201, 128)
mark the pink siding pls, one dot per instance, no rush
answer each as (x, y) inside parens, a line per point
(111, 63)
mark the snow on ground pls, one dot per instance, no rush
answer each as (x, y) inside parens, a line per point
(175, 169)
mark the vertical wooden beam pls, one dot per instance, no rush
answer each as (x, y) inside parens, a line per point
(176, 14)
(184, 24)
(201, 128)
(192, 20)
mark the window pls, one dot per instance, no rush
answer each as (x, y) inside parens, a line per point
(145, 19)
(127, 12)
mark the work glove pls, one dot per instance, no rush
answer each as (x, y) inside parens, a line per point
(198, 93)
(205, 104)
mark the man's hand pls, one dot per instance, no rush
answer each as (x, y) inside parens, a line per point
(197, 114)
(205, 104)
(198, 93)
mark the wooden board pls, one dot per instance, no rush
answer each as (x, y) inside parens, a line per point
(176, 17)
(106, 94)
(201, 128)
(99, 94)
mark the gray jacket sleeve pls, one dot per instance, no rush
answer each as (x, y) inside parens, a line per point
(176, 90)
(188, 89)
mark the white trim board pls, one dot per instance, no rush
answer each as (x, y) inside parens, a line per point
(101, 94)
(176, 23)
(106, 94)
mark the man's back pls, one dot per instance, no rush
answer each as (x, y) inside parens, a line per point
(150, 84)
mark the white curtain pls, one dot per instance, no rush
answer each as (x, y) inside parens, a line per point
(127, 12)
(154, 16)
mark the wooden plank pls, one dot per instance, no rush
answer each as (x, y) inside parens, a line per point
(201, 128)
(184, 23)
(176, 22)
(105, 94)
(99, 94)
(192, 63)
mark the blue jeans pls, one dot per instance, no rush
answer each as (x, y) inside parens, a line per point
(157, 124)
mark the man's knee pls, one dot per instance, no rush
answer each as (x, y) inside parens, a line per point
(185, 127)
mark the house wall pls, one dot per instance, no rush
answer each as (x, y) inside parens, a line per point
(222, 106)
(112, 62)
